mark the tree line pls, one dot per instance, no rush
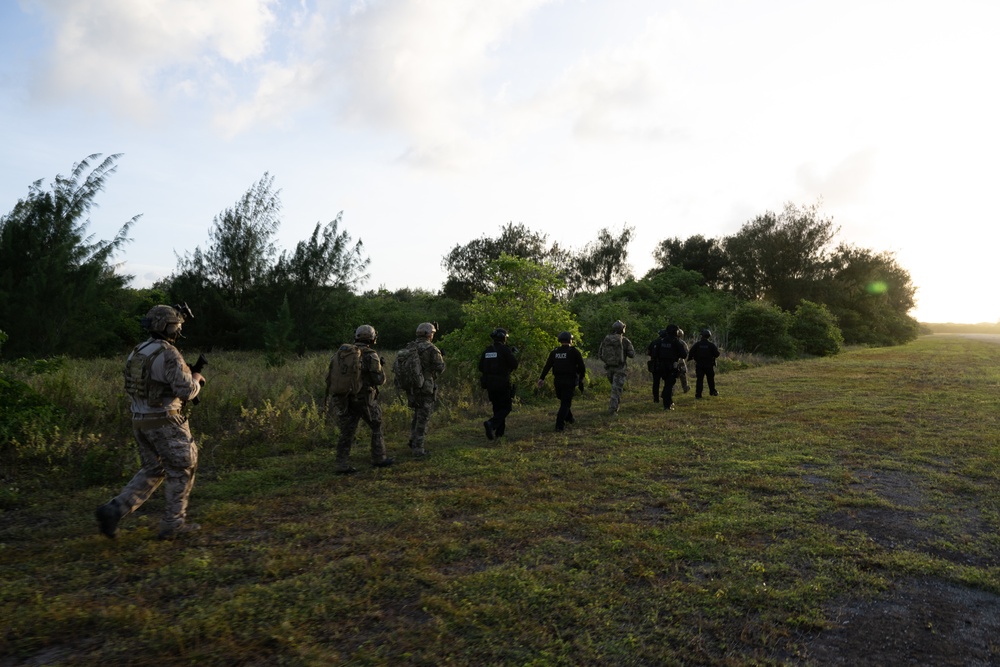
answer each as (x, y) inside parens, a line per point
(779, 285)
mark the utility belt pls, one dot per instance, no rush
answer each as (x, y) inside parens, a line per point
(147, 420)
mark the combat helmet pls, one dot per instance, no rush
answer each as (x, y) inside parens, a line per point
(499, 335)
(426, 330)
(618, 327)
(565, 337)
(365, 334)
(672, 329)
(706, 333)
(165, 321)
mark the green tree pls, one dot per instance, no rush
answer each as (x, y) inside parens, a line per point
(466, 264)
(871, 295)
(279, 337)
(672, 295)
(317, 279)
(779, 257)
(521, 302)
(761, 328)
(395, 315)
(816, 330)
(59, 290)
(604, 263)
(696, 253)
(241, 248)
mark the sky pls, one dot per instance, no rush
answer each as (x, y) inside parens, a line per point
(430, 123)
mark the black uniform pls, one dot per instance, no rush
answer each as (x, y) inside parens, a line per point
(666, 352)
(654, 367)
(568, 371)
(704, 353)
(496, 364)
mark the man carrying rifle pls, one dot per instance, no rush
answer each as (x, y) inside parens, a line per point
(159, 383)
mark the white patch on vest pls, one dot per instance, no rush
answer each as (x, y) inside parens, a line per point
(491, 355)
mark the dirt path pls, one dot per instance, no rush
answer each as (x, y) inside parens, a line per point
(919, 621)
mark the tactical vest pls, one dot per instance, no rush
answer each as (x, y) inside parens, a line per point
(139, 384)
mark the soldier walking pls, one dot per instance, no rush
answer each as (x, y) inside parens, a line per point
(668, 352)
(615, 351)
(416, 371)
(158, 383)
(352, 384)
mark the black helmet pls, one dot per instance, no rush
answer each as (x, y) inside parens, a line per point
(672, 329)
(706, 333)
(662, 333)
(499, 335)
(565, 337)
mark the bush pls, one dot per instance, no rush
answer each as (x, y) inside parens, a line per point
(761, 328)
(816, 330)
(522, 303)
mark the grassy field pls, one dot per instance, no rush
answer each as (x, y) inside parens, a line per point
(825, 511)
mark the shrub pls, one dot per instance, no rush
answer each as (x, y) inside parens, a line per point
(816, 330)
(761, 328)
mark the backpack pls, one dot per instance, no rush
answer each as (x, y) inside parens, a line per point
(408, 373)
(344, 376)
(612, 351)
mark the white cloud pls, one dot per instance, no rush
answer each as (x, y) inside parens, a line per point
(120, 54)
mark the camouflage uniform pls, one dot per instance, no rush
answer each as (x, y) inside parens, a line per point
(167, 450)
(352, 408)
(423, 400)
(616, 371)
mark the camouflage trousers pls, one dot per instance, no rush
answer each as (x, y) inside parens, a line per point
(169, 456)
(682, 375)
(423, 408)
(617, 376)
(351, 410)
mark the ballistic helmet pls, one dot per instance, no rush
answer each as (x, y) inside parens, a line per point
(662, 333)
(672, 329)
(565, 337)
(365, 334)
(618, 327)
(426, 330)
(706, 333)
(165, 321)
(499, 335)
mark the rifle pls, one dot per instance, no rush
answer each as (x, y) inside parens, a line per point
(196, 368)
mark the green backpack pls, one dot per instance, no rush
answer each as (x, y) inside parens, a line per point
(407, 371)
(613, 350)
(344, 375)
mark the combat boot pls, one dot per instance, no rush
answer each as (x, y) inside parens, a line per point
(108, 515)
(384, 463)
(177, 531)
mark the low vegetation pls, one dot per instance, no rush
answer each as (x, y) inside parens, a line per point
(733, 531)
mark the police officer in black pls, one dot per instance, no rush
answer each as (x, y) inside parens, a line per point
(704, 353)
(496, 364)
(652, 365)
(568, 371)
(667, 352)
